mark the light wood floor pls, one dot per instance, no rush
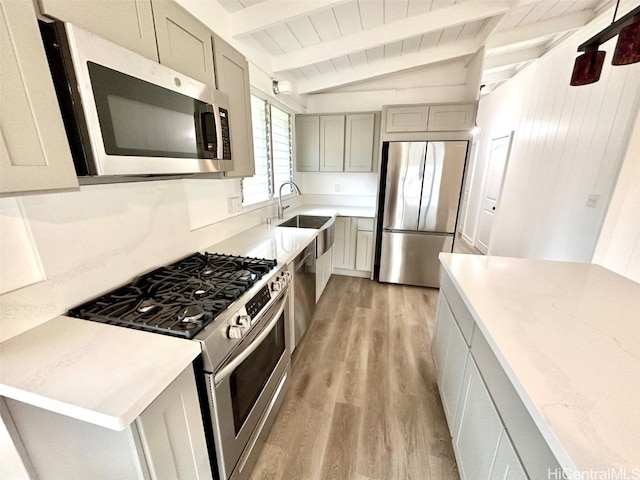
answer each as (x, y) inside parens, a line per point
(363, 402)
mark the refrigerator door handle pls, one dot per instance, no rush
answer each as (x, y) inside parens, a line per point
(428, 178)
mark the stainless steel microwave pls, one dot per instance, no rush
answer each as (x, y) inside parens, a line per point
(126, 115)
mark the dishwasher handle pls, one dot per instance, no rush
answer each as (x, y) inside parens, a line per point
(303, 262)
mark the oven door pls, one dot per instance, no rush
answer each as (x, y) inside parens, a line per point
(247, 390)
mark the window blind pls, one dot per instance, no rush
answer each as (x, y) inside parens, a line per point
(281, 149)
(272, 147)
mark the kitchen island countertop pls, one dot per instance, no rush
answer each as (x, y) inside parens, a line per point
(568, 337)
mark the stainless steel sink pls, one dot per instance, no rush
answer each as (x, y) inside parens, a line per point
(325, 225)
(306, 221)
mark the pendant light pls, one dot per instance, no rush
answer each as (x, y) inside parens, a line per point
(588, 66)
(628, 47)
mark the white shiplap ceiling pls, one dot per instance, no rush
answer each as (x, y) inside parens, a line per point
(327, 44)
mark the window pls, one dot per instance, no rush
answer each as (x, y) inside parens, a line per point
(272, 152)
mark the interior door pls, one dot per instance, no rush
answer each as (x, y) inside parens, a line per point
(498, 157)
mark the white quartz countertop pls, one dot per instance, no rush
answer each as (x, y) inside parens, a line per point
(102, 374)
(568, 337)
(339, 210)
(283, 243)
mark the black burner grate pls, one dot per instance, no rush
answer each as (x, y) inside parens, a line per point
(179, 299)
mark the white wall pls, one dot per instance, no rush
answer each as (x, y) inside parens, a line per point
(568, 144)
(618, 248)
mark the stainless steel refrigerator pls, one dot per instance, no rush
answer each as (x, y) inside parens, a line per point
(422, 190)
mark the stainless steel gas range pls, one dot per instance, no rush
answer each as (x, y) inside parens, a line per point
(237, 308)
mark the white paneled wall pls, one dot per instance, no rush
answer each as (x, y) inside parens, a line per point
(619, 244)
(568, 144)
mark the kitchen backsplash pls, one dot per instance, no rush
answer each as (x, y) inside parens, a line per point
(71, 246)
(60, 249)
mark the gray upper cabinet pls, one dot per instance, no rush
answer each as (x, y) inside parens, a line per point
(184, 43)
(429, 118)
(407, 119)
(332, 143)
(34, 153)
(336, 143)
(125, 22)
(232, 78)
(451, 117)
(308, 143)
(359, 142)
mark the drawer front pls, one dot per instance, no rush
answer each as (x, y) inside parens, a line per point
(459, 309)
(365, 224)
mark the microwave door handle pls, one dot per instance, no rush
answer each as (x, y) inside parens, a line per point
(220, 145)
(255, 343)
(208, 123)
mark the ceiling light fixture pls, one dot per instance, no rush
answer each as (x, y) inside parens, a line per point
(588, 66)
(283, 87)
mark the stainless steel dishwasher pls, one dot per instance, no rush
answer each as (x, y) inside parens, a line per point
(304, 266)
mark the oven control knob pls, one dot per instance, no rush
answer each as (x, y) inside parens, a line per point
(235, 331)
(243, 321)
(276, 286)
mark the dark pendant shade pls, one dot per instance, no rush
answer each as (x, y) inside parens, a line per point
(628, 47)
(587, 67)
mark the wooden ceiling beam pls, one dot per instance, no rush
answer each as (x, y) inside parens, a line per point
(566, 23)
(433, 21)
(500, 62)
(393, 65)
(273, 12)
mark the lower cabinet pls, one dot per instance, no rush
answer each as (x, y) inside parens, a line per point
(451, 358)
(165, 442)
(324, 269)
(493, 436)
(353, 246)
(171, 432)
(477, 434)
(344, 244)
(507, 466)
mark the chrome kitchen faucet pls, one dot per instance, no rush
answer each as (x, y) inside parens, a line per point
(281, 209)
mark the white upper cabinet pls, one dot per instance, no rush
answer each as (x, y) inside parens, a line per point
(331, 143)
(125, 22)
(232, 78)
(184, 43)
(34, 152)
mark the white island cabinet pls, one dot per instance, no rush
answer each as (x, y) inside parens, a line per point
(530, 356)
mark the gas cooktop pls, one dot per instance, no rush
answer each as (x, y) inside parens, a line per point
(179, 299)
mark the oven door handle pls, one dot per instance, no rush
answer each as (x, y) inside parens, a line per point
(255, 343)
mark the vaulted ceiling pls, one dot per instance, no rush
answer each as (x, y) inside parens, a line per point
(327, 44)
